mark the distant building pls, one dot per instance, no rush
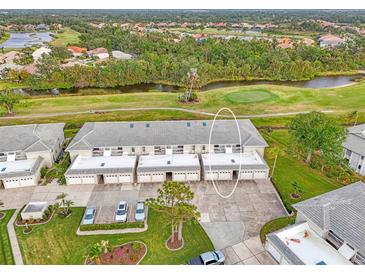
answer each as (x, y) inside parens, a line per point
(285, 43)
(76, 51)
(117, 54)
(329, 230)
(308, 41)
(42, 27)
(39, 53)
(329, 41)
(354, 147)
(101, 53)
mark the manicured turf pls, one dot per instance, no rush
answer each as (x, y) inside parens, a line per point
(68, 37)
(274, 225)
(288, 169)
(6, 255)
(249, 96)
(57, 242)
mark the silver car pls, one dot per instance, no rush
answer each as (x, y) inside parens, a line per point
(140, 215)
(89, 215)
(121, 212)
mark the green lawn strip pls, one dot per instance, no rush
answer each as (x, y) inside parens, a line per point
(250, 96)
(93, 227)
(6, 254)
(4, 37)
(274, 225)
(287, 99)
(68, 37)
(57, 242)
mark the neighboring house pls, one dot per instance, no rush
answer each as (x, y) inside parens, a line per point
(8, 57)
(25, 149)
(285, 43)
(354, 147)
(101, 53)
(76, 51)
(176, 149)
(329, 230)
(330, 41)
(39, 53)
(41, 27)
(117, 54)
(308, 41)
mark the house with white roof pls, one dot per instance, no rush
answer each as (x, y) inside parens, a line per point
(354, 148)
(329, 230)
(25, 149)
(176, 150)
(39, 53)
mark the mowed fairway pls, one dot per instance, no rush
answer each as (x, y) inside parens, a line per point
(269, 99)
(68, 37)
(57, 242)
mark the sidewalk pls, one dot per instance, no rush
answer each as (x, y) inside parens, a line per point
(13, 240)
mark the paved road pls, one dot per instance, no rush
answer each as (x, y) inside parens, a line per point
(96, 111)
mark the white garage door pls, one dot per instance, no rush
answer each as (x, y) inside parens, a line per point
(125, 178)
(158, 177)
(179, 177)
(88, 180)
(12, 184)
(224, 175)
(260, 174)
(193, 176)
(246, 175)
(210, 176)
(110, 179)
(73, 180)
(27, 182)
(144, 178)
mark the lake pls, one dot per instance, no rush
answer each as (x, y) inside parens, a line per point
(26, 39)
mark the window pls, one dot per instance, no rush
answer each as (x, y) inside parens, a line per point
(147, 125)
(133, 149)
(188, 124)
(131, 125)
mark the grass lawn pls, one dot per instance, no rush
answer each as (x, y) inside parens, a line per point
(4, 37)
(57, 242)
(287, 99)
(6, 255)
(68, 37)
(274, 225)
(289, 169)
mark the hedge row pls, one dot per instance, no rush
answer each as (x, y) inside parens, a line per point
(112, 226)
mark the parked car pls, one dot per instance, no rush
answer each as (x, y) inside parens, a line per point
(89, 215)
(208, 258)
(121, 212)
(140, 215)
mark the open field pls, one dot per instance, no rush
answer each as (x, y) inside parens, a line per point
(65, 38)
(239, 99)
(57, 242)
(6, 255)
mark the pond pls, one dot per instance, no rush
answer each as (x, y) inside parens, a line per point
(318, 82)
(26, 39)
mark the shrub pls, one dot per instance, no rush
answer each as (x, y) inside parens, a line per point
(94, 227)
(136, 245)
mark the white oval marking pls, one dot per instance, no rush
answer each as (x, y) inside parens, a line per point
(209, 160)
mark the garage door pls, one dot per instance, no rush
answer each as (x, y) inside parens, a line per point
(246, 175)
(260, 175)
(144, 178)
(158, 177)
(12, 184)
(28, 182)
(224, 175)
(73, 180)
(125, 178)
(110, 179)
(210, 176)
(88, 180)
(179, 177)
(193, 177)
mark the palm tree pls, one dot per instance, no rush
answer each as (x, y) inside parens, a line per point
(67, 205)
(95, 253)
(105, 246)
(62, 197)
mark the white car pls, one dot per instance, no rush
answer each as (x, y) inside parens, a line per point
(121, 212)
(140, 212)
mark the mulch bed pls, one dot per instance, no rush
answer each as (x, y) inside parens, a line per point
(121, 255)
(176, 244)
(2, 215)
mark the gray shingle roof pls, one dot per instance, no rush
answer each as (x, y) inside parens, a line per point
(355, 140)
(113, 134)
(343, 210)
(29, 138)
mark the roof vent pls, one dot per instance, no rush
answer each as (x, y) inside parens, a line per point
(169, 162)
(102, 164)
(131, 125)
(188, 124)
(3, 169)
(233, 161)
